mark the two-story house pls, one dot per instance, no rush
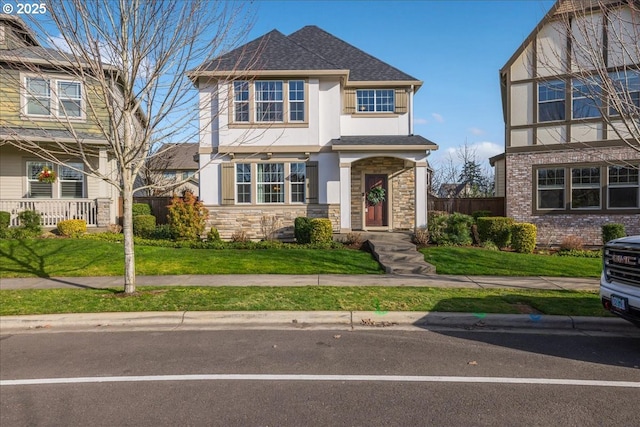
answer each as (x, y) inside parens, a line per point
(174, 163)
(308, 125)
(569, 164)
(42, 108)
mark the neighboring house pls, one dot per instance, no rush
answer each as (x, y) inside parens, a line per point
(173, 163)
(448, 191)
(498, 163)
(307, 125)
(564, 168)
(32, 98)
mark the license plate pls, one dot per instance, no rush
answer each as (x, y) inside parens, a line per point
(619, 303)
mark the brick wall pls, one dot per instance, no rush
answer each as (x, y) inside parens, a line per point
(552, 228)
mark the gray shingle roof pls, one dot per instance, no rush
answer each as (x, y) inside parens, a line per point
(176, 156)
(309, 48)
(386, 140)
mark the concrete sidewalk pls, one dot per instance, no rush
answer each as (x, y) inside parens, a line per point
(437, 281)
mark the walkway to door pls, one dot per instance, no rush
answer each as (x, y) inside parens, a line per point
(396, 253)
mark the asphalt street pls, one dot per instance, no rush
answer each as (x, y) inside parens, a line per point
(319, 377)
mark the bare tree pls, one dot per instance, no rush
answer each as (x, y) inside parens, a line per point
(601, 63)
(132, 57)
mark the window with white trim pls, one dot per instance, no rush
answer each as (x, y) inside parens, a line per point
(37, 189)
(375, 100)
(551, 101)
(71, 180)
(586, 98)
(50, 97)
(585, 188)
(243, 183)
(550, 188)
(269, 101)
(297, 180)
(270, 180)
(241, 101)
(624, 187)
(296, 100)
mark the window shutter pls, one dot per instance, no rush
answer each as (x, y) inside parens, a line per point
(401, 101)
(228, 183)
(349, 101)
(312, 182)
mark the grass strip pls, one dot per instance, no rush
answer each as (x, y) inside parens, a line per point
(481, 262)
(312, 298)
(84, 258)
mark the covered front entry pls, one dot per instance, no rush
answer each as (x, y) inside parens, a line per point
(376, 211)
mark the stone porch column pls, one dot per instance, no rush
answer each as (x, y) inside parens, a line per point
(345, 197)
(421, 194)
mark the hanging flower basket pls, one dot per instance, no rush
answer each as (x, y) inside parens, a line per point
(47, 175)
(376, 195)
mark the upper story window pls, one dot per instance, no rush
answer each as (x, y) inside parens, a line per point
(587, 99)
(296, 100)
(627, 84)
(375, 100)
(551, 101)
(269, 101)
(49, 97)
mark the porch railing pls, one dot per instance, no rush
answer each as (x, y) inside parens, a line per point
(53, 211)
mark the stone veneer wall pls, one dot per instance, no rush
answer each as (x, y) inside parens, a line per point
(230, 219)
(553, 228)
(401, 186)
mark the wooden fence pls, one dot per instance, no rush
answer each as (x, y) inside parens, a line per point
(468, 205)
(158, 207)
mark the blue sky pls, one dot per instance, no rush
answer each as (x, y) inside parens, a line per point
(455, 47)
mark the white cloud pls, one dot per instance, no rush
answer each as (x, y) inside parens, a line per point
(476, 131)
(486, 149)
(438, 117)
(420, 121)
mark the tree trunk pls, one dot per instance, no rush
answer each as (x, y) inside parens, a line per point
(127, 230)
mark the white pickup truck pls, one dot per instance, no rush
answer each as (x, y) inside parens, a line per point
(620, 281)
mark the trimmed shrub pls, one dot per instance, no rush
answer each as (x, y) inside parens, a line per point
(140, 209)
(523, 237)
(30, 222)
(213, 235)
(459, 229)
(496, 229)
(612, 231)
(480, 214)
(5, 219)
(144, 225)
(321, 230)
(302, 229)
(436, 226)
(72, 227)
(187, 217)
(572, 243)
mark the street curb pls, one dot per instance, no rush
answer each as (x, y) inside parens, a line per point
(304, 319)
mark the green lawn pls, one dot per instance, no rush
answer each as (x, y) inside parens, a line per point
(48, 301)
(74, 257)
(481, 262)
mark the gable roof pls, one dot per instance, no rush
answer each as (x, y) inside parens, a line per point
(308, 49)
(176, 156)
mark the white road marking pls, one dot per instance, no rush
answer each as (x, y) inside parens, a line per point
(303, 377)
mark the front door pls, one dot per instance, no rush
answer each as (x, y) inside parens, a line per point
(376, 213)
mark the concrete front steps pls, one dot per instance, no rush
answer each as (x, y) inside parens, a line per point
(397, 254)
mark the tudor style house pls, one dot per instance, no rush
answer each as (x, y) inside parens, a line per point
(569, 166)
(309, 125)
(36, 100)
